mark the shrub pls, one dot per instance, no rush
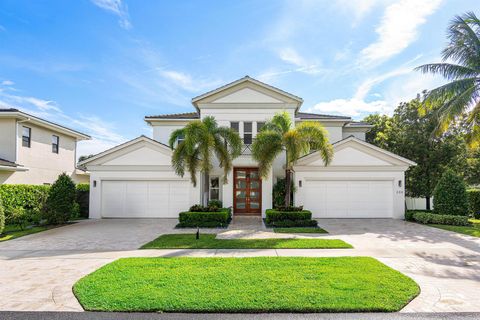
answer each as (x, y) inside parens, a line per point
(18, 217)
(450, 195)
(293, 223)
(474, 202)
(215, 203)
(60, 201)
(25, 196)
(278, 192)
(220, 218)
(273, 215)
(431, 218)
(75, 211)
(409, 215)
(83, 198)
(2, 216)
(289, 208)
(200, 208)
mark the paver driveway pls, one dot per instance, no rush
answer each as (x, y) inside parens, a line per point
(38, 271)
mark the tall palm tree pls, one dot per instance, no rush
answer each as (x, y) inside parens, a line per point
(200, 140)
(279, 135)
(462, 94)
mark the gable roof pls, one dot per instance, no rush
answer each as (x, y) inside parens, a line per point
(314, 116)
(16, 113)
(175, 116)
(306, 159)
(122, 146)
(242, 80)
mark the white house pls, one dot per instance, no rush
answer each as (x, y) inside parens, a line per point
(136, 179)
(36, 151)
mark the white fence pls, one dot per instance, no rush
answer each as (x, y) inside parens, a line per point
(417, 203)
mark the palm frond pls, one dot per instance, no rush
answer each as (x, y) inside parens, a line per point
(232, 139)
(266, 147)
(178, 133)
(464, 46)
(282, 120)
(315, 137)
(449, 71)
(445, 93)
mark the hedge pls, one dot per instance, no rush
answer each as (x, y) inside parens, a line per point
(190, 219)
(273, 215)
(450, 195)
(293, 223)
(2, 217)
(432, 218)
(83, 198)
(474, 202)
(32, 198)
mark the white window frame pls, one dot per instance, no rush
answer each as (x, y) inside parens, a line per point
(210, 188)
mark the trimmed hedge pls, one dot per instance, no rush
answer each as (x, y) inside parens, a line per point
(474, 202)
(217, 219)
(450, 195)
(273, 215)
(30, 198)
(432, 218)
(2, 217)
(293, 223)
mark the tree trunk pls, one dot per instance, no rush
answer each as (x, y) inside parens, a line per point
(206, 187)
(427, 203)
(288, 185)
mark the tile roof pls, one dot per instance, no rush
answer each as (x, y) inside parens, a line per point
(186, 115)
(306, 115)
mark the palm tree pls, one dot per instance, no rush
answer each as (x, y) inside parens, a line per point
(279, 135)
(200, 140)
(462, 94)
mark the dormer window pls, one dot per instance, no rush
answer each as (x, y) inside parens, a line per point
(26, 136)
(55, 143)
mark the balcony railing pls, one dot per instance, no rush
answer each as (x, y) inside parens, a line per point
(247, 147)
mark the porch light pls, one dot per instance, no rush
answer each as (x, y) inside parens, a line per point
(94, 183)
(399, 183)
(299, 183)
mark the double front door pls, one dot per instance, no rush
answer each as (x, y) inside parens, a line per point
(247, 191)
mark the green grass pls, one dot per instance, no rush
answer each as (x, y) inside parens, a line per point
(262, 284)
(208, 241)
(300, 230)
(473, 230)
(11, 232)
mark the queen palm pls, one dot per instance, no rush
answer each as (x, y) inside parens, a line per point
(462, 94)
(278, 135)
(200, 141)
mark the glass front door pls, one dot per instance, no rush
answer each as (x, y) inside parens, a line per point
(247, 191)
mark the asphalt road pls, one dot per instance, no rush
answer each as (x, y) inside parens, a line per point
(6, 315)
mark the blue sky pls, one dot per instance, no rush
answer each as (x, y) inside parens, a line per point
(100, 66)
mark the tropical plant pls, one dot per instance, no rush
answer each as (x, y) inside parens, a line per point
(278, 135)
(61, 200)
(462, 94)
(200, 141)
(450, 195)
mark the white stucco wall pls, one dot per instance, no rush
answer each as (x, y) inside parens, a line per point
(162, 130)
(7, 139)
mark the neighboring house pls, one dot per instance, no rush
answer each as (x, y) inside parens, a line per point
(36, 151)
(136, 179)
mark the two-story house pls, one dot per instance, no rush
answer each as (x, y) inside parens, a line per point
(36, 151)
(136, 179)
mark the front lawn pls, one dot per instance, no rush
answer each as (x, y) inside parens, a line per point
(208, 241)
(11, 232)
(473, 230)
(300, 230)
(265, 284)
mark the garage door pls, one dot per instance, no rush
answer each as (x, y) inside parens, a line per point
(144, 199)
(349, 199)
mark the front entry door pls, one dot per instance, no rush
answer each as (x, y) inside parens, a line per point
(247, 191)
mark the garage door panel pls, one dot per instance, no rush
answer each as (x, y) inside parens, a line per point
(144, 198)
(349, 199)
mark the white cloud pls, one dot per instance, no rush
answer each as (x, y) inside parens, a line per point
(7, 83)
(398, 29)
(351, 107)
(302, 64)
(104, 134)
(358, 8)
(117, 8)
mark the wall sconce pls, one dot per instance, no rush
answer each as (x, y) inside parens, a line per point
(94, 183)
(399, 183)
(299, 183)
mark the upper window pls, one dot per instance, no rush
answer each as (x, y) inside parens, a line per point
(180, 138)
(26, 136)
(247, 133)
(235, 126)
(260, 126)
(55, 144)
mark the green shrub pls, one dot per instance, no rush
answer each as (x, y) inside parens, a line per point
(215, 203)
(60, 201)
(474, 202)
(273, 215)
(220, 218)
(2, 216)
(409, 215)
(200, 208)
(450, 195)
(431, 218)
(278, 192)
(75, 211)
(18, 217)
(293, 223)
(24, 196)
(83, 198)
(289, 208)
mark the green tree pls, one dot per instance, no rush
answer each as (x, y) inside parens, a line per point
(61, 200)
(2, 216)
(378, 134)
(450, 195)
(462, 94)
(200, 140)
(408, 134)
(279, 135)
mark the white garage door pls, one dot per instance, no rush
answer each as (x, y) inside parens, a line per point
(349, 199)
(144, 199)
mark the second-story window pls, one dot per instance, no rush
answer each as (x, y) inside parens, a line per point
(260, 126)
(26, 136)
(55, 143)
(235, 126)
(247, 133)
(180, 139)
